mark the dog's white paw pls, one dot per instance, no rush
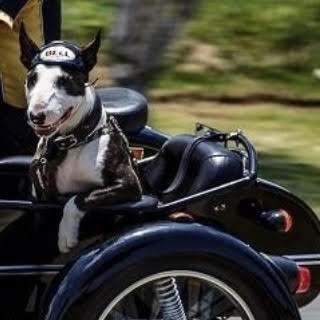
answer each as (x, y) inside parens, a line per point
(69, 226)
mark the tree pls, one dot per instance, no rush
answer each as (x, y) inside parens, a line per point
(140, 36)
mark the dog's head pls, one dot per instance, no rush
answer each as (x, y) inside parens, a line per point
(56, 80)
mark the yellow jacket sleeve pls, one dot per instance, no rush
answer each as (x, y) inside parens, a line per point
(12, 72)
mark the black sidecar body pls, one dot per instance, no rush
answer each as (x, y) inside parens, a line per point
(209, 239)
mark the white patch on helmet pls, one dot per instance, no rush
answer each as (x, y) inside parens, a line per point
(57, 54)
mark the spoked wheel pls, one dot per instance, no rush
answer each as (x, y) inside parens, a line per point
(178, 295)
(176, 288)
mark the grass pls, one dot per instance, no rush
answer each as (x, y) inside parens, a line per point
(286, 138)
(247, 46)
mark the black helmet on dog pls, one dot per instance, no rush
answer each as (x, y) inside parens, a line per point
(59, 53)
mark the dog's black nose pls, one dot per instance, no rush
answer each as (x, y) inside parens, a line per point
(37, 118)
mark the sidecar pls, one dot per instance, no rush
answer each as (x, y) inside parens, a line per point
(208, 240)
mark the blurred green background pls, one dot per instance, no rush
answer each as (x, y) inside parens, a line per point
(229, 46)
(235, 48)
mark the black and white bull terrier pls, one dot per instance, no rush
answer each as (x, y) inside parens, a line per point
(81, 151)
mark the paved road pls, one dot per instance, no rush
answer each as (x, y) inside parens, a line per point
(311, 311)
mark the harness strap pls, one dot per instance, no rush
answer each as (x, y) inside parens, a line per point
(43, 170)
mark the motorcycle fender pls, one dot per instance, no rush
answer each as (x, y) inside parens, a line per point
(151, 241)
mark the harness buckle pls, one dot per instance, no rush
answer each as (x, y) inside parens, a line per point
(67, 142)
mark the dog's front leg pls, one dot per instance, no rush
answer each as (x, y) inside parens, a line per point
(69, 226)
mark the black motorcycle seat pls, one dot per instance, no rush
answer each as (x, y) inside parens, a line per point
(145, 204)
(208, 165)
(129, 107)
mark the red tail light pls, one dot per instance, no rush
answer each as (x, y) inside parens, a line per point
(297, 277)
(303, 279)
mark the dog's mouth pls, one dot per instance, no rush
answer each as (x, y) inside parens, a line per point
(46, 130)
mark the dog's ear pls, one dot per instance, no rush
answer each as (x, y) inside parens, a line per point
(90, 51)
(28, 49)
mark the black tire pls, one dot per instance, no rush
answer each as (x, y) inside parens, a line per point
(243, 287)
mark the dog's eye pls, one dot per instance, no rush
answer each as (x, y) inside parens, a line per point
(72, 85)
(32, 79)
(63, 82)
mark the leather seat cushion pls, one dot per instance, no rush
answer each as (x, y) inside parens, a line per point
(209, 165)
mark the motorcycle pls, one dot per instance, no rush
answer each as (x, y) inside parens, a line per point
(209, 239)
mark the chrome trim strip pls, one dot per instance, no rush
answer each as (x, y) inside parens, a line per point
(27, 270)
(305, 259)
